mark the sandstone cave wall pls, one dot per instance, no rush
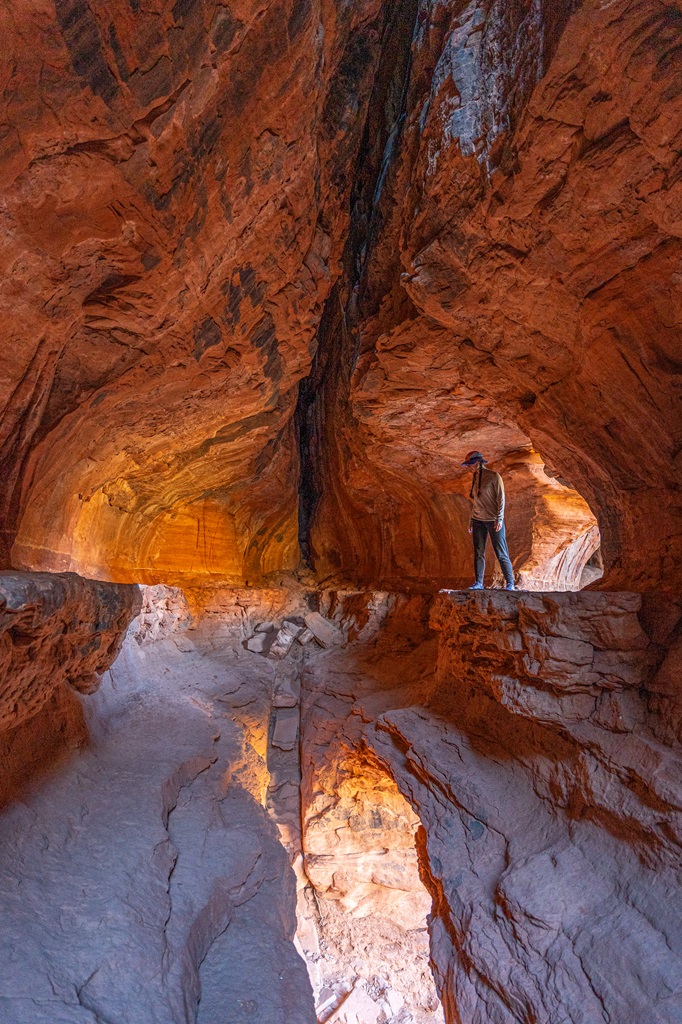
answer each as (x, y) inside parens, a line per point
(470, 211)
(515, 290)
(175, 185)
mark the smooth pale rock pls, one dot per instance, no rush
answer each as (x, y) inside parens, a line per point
(394, 1000)
(285, 732)
(144, 873)
(324, 631)
(267, 627)
(357, 1008)
(258, 643)
(305, 636)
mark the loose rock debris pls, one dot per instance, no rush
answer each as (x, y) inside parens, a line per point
(275, 641)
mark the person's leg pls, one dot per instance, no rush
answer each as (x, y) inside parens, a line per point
(499, 539)
(480, 535)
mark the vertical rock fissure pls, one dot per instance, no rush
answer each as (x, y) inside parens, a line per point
(336, 341)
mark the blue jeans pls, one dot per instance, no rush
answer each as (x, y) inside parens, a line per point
(481, 530)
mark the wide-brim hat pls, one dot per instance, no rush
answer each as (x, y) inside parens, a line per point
(474, 457)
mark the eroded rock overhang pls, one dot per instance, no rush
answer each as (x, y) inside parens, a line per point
(470, 210)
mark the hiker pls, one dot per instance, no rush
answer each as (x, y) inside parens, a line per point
(487, 519)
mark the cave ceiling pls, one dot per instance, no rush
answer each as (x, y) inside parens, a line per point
(270, 270)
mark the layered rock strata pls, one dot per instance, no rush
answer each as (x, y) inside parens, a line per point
(175, 184)
(453, 204)
(58, 634)
(511, 288)
(538, 741)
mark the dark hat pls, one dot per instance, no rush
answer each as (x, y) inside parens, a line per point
(474, 457)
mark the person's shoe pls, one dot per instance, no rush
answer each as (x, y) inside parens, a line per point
(476, 586)
(510, 586)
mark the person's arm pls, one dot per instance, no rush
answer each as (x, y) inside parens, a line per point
(499, 494)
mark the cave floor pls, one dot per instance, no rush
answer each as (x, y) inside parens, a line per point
(147, 876)
(136, 873)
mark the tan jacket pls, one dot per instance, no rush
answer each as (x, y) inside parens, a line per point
(487, 494)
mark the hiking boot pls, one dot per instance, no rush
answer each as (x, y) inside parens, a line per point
(476, 586)
(510, 586)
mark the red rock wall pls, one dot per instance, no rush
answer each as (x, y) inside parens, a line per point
(518, 287)
(58, 634)
(494, 189)
(174, 189)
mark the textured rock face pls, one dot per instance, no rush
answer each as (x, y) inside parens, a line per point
(519, 285)
(545, 772)
(569, 832)
(494, 193)
(58, 634)
(57, 629)
(552, 254)
(518, 753)
(174, 189)
(268, 272)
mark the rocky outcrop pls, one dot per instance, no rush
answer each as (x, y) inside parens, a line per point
(58, 634)
(508, 762)
(57, 629)
(539, 750)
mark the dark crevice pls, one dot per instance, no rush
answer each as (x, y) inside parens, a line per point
(337, 342)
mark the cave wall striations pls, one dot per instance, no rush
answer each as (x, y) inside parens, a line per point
(175, 187)
(538, 740)
(470, 211)
(517, 292)
(58, 634)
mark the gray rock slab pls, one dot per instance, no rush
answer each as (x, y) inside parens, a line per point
(258, 643)
(285, 733)
(323, 630)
